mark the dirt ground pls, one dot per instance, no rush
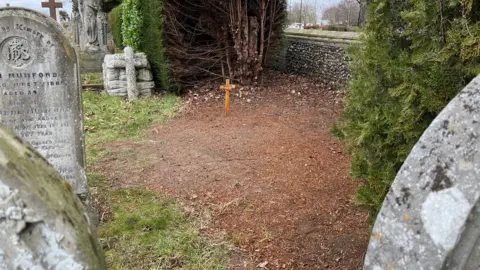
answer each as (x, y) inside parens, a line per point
(269, 176)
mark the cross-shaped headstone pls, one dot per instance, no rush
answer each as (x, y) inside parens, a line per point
(52, 5)
(227, 87)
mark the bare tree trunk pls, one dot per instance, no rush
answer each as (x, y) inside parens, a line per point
(273, 8)
(245, 42)
(228, 56)
(258, 68)
(203, 34)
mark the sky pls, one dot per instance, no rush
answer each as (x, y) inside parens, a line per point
(321, 4)
(36, 4)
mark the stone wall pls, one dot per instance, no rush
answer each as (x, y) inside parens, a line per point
(318, 54)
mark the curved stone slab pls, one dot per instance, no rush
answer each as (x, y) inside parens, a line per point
(43, 224)
(430, 217)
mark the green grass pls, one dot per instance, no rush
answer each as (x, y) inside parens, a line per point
(92, 78)
(147, 230)
(109, 118)
(150, 232)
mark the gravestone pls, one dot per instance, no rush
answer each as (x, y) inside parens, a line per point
(43, 225)
(40, 96)
(430, 218)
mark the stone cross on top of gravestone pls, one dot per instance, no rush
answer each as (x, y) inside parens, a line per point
(430, 218)
(40, 98)
(52, 6)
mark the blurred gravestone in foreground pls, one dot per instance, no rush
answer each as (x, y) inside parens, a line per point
(43, 225)
(430, 218)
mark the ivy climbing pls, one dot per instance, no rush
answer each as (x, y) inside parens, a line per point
(132, 20)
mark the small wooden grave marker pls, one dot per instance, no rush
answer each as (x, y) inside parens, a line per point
(52, 6)
(227, 87)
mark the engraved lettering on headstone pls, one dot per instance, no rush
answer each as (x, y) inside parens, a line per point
(16, 52)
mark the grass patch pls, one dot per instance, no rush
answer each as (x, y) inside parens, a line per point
(150, 232)
(92, 78)
(109, 118)
(141, 229)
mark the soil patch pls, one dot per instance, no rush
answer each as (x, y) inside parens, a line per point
(269, 176)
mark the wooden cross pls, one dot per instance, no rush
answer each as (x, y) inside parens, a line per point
(52, 5)
(227, 87)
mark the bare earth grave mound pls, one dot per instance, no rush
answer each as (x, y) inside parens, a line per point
(269, 176)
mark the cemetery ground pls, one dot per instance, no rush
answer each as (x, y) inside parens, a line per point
(265, 188)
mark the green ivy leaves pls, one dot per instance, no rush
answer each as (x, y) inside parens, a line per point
(132, 23)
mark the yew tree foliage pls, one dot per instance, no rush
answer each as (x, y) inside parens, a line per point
(415, 57)
(193, 40)
(115, 24)
(152, 40)
(209, 39)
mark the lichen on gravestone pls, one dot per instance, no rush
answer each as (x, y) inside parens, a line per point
(430, 218)
(43, 225)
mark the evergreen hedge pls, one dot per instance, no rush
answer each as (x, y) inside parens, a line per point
(144, 31)
(152, 40)
(115, 22)
(415, 56)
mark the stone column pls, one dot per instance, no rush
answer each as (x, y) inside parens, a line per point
(132, 90)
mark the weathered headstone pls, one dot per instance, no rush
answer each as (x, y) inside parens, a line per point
(40, 96)
(430, 218)
(43, 225)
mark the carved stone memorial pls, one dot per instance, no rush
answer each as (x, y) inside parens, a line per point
(43, 225)
(93, 26)
(128, 76)
(91, 21)
(430, 218)
(40, 98)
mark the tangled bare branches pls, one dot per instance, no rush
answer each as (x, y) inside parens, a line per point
(222, 38)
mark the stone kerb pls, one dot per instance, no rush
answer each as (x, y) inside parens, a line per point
(430, 218)
(115, 75)
(43, 224)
